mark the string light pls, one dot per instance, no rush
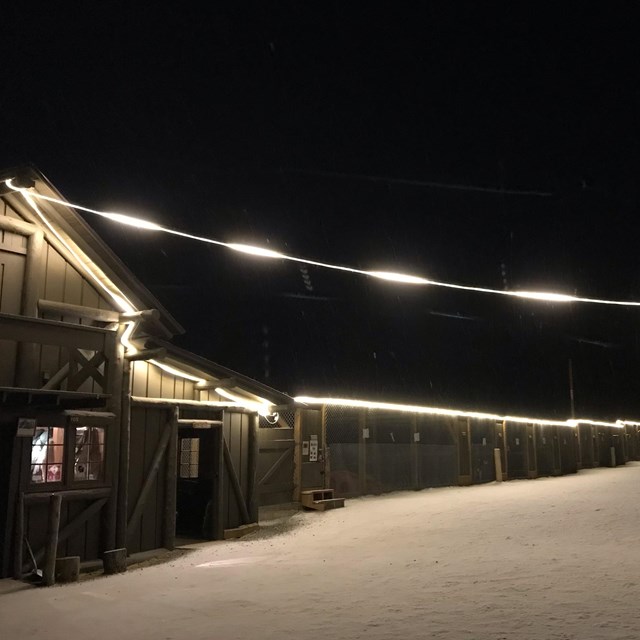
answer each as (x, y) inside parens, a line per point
(454, 413)
(262, 407)
(176, 372)
(401, 278)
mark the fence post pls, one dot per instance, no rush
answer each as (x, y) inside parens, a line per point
(363, 434)
(497, 460)
(51, 545)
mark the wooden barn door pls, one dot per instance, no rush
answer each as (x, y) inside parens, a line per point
(196, 469)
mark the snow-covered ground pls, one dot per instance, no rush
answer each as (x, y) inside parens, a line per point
(531, 559)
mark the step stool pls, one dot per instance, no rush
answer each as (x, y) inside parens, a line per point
(320, 499)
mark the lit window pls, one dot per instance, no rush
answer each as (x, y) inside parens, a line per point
(89, 454)
(189, 456)
(47, 454)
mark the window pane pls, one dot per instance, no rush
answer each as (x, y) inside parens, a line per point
(47, 450)
(89, 453)
(189, 457)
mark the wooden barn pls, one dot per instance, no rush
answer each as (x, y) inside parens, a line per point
(113, 441)
(110, 437)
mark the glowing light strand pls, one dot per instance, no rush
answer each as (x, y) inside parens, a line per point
(263, 407)
(115, 294)
(456, 413)
(381, 275)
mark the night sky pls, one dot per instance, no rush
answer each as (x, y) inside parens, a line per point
(488, 147)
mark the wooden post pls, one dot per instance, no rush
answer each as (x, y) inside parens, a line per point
(252, 463)
(326, 459)
(115, 561)
(362, 451)
(297, 456)
(51, 548)
(218, 487)
(612, 454)
(415, 473)
(18, 545)
(497, 460)
(123, 469)
(464, 452)
(110, 515)
(171, 485)
(67, 569)
(15, 482)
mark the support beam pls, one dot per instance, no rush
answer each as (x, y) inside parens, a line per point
(415, 443)
(139, 401)
(124, 454)
(77, 311)
(18, 545)
(68, 496)
(51, 545)
(275, 466)
(326, 454)
(14, 225)
(218, 488)
(363, 436)
(253, 456)
(297, 459)
(158, 353)
(170, 485)
(110, 515)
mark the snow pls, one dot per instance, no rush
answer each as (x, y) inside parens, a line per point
(553, 558)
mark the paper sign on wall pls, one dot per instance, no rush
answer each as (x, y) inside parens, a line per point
(313, 448)
(305, 448)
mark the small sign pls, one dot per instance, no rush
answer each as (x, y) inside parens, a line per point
(484, 442)
(416, 437)
(313, 451)
(517, 442)
(201, 425)
(26, 427)
(305, 448)
(365, 433)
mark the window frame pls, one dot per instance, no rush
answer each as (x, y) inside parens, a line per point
(69, 423)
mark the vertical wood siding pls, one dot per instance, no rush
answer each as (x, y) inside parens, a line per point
(150, 381)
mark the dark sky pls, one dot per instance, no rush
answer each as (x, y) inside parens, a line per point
(321, 129)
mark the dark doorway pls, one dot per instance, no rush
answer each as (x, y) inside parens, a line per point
(196, 477)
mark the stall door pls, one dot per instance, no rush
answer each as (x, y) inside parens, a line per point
(517, 451)
(196, 477)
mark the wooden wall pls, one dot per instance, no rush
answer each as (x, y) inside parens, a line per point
(149, 381)
(236, 433)
(147, 426)
(13, 249)
(58, 281)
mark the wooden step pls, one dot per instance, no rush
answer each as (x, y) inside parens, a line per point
(320, 499)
